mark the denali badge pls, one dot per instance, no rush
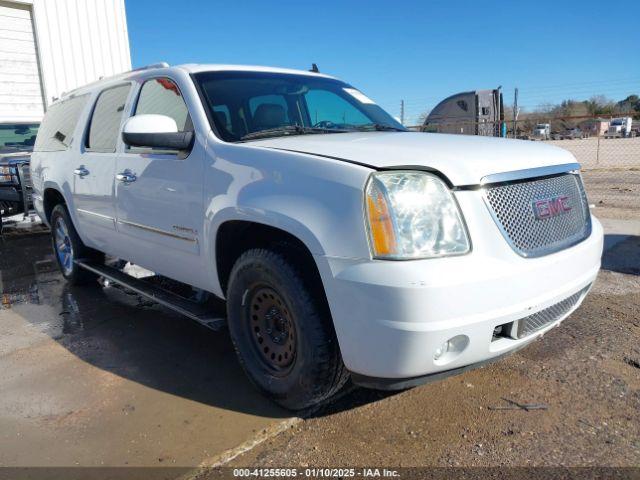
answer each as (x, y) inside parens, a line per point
(551, 207)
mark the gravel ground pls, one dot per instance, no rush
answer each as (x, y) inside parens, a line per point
(615, 193)
(596, 152)
(587, 373)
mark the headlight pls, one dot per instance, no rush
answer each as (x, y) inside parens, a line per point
(413, 215)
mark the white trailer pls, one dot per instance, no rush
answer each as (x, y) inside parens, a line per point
(48, 47)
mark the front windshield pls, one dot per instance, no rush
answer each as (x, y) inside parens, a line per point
(17, 137)
(243, 104)
(541, 126)
(617, 121)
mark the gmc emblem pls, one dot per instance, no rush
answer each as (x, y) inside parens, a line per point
(551, 207)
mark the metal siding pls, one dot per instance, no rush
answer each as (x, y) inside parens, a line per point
(78, 41)
(20, 91)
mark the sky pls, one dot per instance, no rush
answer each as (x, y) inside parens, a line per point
(419, 51)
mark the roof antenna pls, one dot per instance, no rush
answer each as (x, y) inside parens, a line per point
(314, 68)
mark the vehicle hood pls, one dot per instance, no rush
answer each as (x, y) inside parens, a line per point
(14, 158)
(463, 159)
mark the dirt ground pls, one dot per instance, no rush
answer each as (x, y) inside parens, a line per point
(601, 152)
(615, 193)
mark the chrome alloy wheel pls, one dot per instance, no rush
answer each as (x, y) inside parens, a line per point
(63, 247)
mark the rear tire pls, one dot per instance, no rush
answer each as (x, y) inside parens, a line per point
(68, 248)
(282, 332)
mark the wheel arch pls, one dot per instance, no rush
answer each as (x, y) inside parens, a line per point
(234, 237)
(51, 197)
(54, 194)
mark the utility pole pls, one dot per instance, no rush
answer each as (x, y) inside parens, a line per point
(516, 111)
(402, 112)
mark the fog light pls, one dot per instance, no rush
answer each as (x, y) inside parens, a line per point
(450, 350)
(441, 350)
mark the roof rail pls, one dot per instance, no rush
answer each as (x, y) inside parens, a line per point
(149, 67)
(118, 75)
(139, 69)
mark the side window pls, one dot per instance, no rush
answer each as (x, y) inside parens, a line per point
(106, 119)
(56, 131)
(326, 106)
(161, 96)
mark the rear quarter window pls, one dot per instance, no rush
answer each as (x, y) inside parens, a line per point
(59, 123)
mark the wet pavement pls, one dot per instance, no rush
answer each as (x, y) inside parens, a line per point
(96, 376)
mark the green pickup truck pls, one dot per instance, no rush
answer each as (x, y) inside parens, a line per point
(16, 144)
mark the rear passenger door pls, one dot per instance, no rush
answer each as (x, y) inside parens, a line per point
(95, 167)
(160, 212)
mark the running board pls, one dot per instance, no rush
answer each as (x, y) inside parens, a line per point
(193, 310)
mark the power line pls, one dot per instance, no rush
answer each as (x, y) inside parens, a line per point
(575, 84)
(544, 92)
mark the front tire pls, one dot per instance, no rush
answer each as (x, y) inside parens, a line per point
(68, 248)
(282, 331)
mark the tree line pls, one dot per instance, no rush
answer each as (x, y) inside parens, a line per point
(574, 113)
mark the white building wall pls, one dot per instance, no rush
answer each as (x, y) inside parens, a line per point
(77, 42)
(20, 86)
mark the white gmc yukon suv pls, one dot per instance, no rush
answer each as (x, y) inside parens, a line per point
(344, 246)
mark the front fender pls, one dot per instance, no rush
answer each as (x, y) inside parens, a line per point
(317, 200)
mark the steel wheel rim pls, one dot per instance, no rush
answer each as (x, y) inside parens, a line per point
(63, 247)
(271, 329)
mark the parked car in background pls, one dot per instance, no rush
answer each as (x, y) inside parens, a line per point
(16, 144)
(557, 136)
(542, 131)
(573, 134)
(343, 245)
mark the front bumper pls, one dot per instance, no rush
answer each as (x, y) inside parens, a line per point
(390, 317)
(404, 383)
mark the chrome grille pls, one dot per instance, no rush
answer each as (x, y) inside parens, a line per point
(512, 207)
(528, 325)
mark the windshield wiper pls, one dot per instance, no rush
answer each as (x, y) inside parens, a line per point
(379, 127)
(289, 130)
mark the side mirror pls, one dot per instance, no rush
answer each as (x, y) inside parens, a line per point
(155, 131)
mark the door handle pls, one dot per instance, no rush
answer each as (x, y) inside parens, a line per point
(126, 177)
(81, 171)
